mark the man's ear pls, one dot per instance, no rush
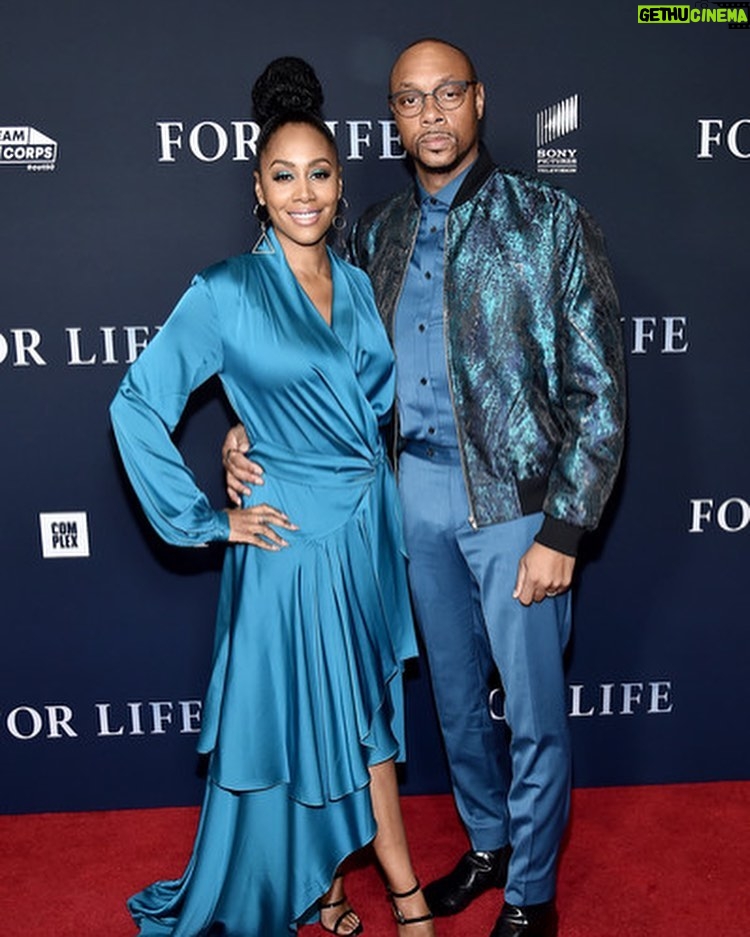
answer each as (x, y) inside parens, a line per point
(479, 100)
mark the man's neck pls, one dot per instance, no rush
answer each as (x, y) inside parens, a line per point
(433, 181)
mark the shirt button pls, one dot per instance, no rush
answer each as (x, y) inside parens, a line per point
(428, 275)
(423, 380)
(421, 326)
(433, 201)
(433, 229)
(431, 430)
(430, 452)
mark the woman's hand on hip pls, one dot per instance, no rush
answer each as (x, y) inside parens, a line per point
(255, 526)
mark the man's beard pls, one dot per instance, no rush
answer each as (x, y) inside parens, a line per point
(448, 167)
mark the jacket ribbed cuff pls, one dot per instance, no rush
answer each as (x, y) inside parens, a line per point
(560, 536)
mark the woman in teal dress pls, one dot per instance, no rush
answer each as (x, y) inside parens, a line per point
(303, 716)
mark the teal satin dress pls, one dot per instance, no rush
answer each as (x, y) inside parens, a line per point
(305, 688)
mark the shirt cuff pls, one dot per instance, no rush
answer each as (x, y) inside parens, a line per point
(222, 526)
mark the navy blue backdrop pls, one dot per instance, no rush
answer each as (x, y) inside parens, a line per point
(125, 166)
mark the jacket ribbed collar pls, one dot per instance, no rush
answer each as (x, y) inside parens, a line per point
(483, 166)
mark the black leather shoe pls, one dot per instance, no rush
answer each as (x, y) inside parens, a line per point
(475, 873)
(531, 920)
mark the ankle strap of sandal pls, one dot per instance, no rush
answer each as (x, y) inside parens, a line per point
(404, 894)
(399, 914)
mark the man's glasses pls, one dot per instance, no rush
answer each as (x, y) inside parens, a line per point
(447, 96)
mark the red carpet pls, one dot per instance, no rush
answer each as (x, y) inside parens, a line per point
(639, 862)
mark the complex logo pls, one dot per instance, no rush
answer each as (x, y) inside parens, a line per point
(25, 146)
(551, 124)
(64, 534)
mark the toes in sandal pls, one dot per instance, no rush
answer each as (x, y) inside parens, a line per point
(348, 913)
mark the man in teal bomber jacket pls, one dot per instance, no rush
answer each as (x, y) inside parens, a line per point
(498, 297)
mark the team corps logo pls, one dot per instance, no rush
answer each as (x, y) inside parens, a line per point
(554, 122)
(25, 146)
(64, 535)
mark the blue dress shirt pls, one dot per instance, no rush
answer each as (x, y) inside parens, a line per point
(423, 393)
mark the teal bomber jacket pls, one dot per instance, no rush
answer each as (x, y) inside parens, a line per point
(533, 343)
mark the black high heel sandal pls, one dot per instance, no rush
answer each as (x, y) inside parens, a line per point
(399, 915)
(350, 912)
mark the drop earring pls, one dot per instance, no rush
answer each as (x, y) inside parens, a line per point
(264, 244)
(339, 221)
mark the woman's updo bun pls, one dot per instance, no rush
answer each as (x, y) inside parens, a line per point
(287, 85)
(288, 91)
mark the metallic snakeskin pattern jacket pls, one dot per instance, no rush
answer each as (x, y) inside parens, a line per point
(533, 343)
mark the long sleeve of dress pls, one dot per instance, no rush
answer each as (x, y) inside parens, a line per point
(148, 406)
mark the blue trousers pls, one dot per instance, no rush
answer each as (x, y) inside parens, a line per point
(509, 787)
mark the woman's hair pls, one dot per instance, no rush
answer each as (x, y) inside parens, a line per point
(288, 92)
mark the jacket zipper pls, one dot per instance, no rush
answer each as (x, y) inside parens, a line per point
(446, 346)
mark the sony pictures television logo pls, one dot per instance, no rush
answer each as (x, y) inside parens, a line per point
(26, 146)
(64, 534)
(553, 123)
